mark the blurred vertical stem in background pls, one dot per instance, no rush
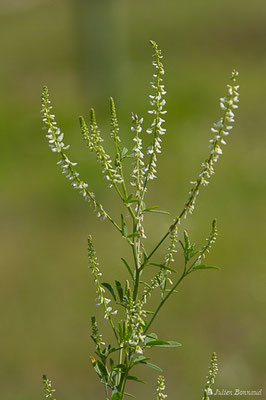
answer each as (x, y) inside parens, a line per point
(101, 28)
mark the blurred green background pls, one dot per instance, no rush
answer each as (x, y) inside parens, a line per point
(85, 51)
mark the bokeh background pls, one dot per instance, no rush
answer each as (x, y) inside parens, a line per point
(85, 51)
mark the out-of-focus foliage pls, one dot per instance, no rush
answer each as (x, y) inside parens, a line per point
(85, 51)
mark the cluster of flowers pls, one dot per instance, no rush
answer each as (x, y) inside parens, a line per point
(160, 388)
(96, 336)
(56, 144)
(100, 291)
(138, 170)
(48, 390)
(94, 141)
(210, 240)
(220, 130)
(155, 282)
(171, 250)
(115, 136)
(135, 321)
(210, 377)
(158, 102)
(169, 259)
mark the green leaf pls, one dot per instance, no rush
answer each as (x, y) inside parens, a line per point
(163, 266)
(150, 208)
(155, 210)
(102, 369)
(140, 359)
(121, 330)
(124, 153)
(116, 396)
(203, 266)
(149, 312)
(170, 290)
(163, 343)
(198, 262)
(119, 290)
(110, 288)
(186, 239)
(112, 350)
(99, 368)
(121, 367)
(183, 247)
(149, 337)
(134, 378)
(130, 199)
(188, 247)
(152, 366)
(128, 267)
(124, 227)
(152, 335)
(129, 395)
(132, 235)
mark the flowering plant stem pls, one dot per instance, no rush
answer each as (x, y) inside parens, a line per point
(131, 322)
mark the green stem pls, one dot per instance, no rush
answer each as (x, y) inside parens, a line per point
(136, 285)
(195, 189)
(120, 362)
(137, 270)
(113, 327)
(124, 381)
(164, 300)
(106, 391)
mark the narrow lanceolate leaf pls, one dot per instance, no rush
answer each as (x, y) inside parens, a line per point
(129, 395)
(155, 210)
(140, 359)
(110, 288)
(128, 267)
(134, 378)
(203, 266)
(163, 343)
(119, 290)
(163, 267)
(152, 366)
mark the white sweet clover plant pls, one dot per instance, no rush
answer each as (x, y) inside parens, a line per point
(124, 304)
